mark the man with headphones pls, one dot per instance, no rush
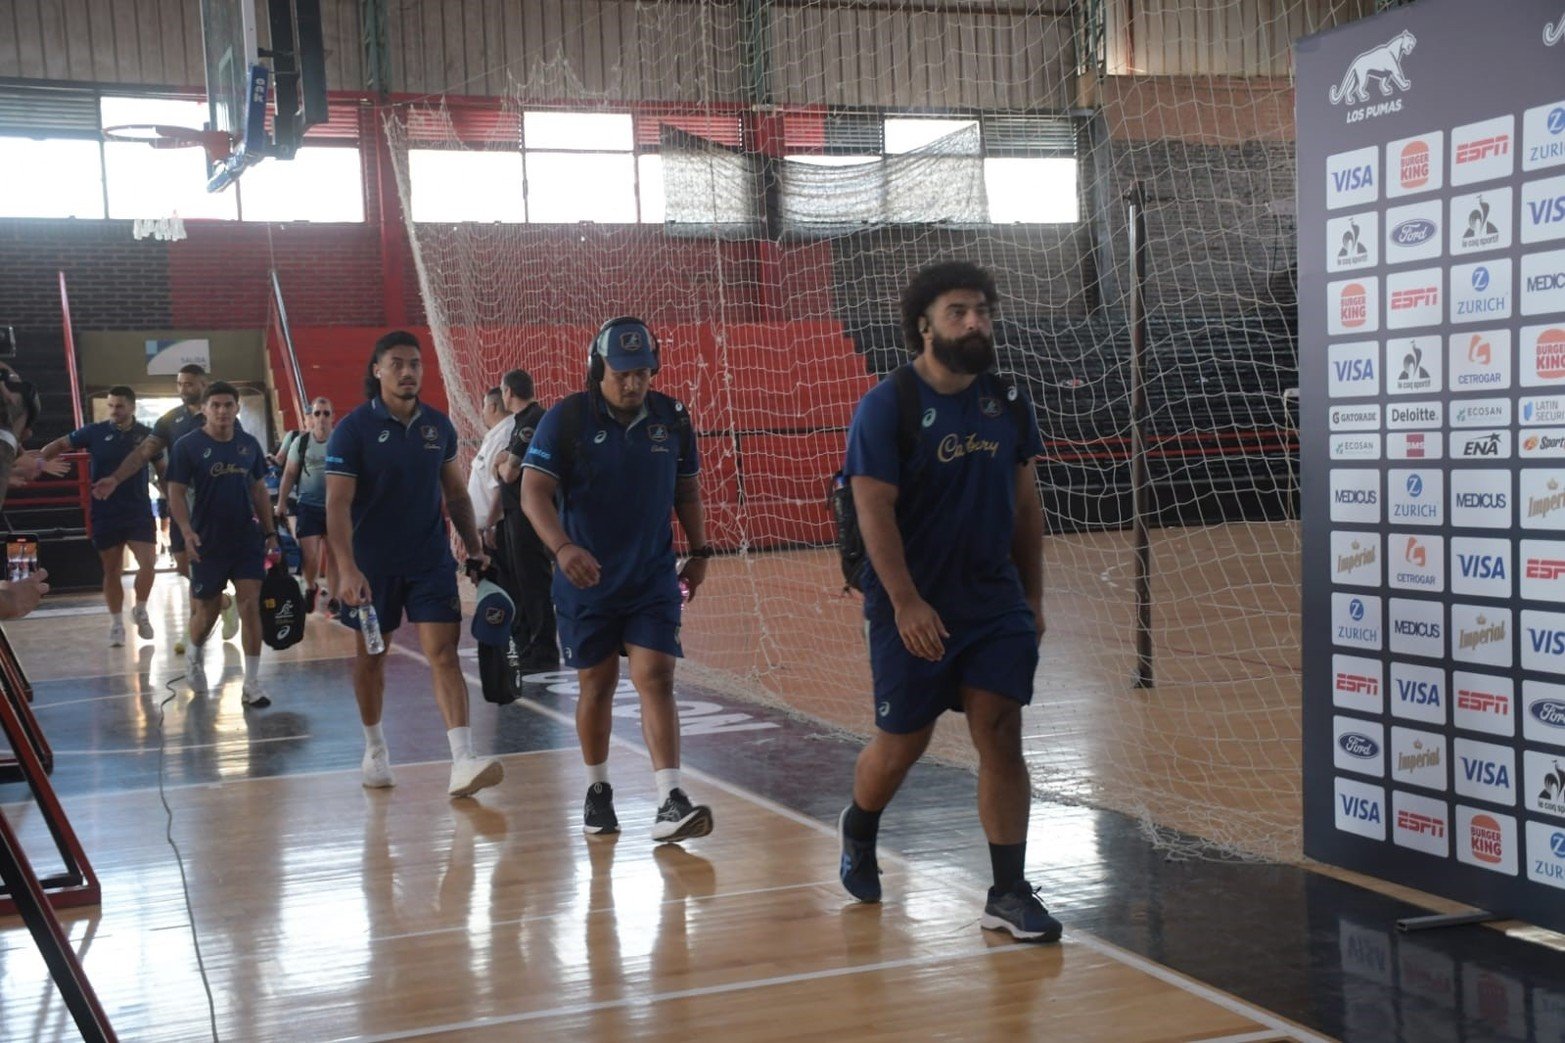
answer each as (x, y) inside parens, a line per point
(621, 458)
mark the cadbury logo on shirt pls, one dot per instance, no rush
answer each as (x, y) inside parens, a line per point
(220, 469)
(953, 447)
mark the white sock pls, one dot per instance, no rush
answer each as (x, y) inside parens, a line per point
(252, 668)
(597, 773)
(461, 740)
(667, 780)
(373, 737)
(193, 647)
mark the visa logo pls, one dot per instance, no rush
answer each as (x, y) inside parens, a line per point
(1353, 178)
(1419, 693)
(1361, 809)
(1355, 369)
(1486, 773)
(1547, 642)
(1547, 211)
(1481, 566)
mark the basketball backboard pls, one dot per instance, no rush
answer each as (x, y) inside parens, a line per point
(243, 78)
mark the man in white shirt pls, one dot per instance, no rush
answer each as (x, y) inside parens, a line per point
(483, 487)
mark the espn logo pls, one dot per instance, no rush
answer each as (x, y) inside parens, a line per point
(1482, 148)
(1483, 702)
(1357, 683)
(1545, 568)
(1413, 822)
(1417, 297)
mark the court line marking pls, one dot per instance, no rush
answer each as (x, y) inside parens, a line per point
(705, 990)
(1247, 1037)
(1230, 1003)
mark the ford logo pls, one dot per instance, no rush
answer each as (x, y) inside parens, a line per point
(1413, 232)
(1356, 745)
(1549, 711)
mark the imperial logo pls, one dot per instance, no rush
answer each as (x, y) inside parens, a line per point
(1482, 149)
(1415, 165)
(1479, 701)
(1356, 559)
(1359, 684)
(1419, 758)
(1546, 504)
(1354, 306)
(1484, 633)
(1485, 840)
(1413, 822)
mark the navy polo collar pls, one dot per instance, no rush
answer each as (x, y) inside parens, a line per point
(604, 410)
(378, 406)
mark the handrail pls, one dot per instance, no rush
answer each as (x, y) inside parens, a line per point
(70, 354)
(301, 400)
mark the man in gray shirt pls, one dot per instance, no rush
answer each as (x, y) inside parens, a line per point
(306, 466)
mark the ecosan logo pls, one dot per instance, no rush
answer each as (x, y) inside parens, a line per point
(1353, 373)
(1543, 136)
(1418, 368)
(1355, 447)
(1352, 242)
(1350, 178)
(1543, 210)
(1480, 412)
(1543, 283)
(1480, 360)
(1381, 66)
(1480, 221)
(1481, 291)
(1482, 151)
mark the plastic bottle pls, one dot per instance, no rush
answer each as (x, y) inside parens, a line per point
(684, 591)
(369, 626)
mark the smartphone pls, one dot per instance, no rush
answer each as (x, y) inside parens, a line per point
(21, 555)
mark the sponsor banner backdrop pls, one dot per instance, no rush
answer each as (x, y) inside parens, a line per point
(1432, 450)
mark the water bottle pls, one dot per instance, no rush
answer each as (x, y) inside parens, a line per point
(684, 591)
(369, 626)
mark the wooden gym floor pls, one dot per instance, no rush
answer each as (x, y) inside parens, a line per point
(323, 911)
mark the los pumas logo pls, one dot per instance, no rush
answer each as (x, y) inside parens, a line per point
(1381, 66)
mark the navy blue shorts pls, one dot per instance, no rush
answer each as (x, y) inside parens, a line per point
(997, 655)
(426, 597)
(116, 532)
(216, 568)
(176, 539)
(589, 636)
(309, 520)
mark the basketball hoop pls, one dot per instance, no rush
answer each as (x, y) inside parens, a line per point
(218, 143)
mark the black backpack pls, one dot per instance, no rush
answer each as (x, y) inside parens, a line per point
(851, 553)
(282, 608)
(573, 421)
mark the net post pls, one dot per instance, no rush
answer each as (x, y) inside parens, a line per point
(1140, 485)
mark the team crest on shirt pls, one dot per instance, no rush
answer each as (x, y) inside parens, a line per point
(430, 434)
(658, 432)
(989, 407)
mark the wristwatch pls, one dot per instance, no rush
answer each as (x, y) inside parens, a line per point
(701, 552)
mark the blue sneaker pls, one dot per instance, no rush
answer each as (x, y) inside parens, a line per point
(859, 871)
(1019, 911)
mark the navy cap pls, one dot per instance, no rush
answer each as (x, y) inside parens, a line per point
(627, 344)
(492, 618)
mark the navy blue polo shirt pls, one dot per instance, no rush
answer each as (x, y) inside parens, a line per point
(956, 498)
(107, 446)
(176, 424)
(618, 497)
(398, 527)
(220, 476)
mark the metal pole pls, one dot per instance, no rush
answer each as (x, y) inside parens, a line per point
(1140, 485)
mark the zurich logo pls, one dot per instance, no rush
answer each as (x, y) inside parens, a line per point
(1557, 844)
(1557, 120)
(1356, 610)
(1355, 744)
(1415, 485)
(1413, 232)
(1480, 279)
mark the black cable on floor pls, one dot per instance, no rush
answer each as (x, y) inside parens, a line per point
(168, 834)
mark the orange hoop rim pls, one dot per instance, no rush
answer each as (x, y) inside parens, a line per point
(217, 143)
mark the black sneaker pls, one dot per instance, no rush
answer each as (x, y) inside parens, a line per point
(598, 816)
(859, 870)
(678, 819)
(1020, 912)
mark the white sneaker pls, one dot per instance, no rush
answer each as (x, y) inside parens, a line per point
(117, 633)
(377, 768)
(469, 774)
(143, 624)
(254, 696)
(195, 671)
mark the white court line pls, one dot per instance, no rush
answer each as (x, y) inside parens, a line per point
(707, 990)
(1246, 1037)
(1232, 1004)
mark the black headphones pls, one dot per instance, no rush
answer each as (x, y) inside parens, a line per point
(597, 353)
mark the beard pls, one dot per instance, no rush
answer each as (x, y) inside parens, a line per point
(970, 354)
(192, 398)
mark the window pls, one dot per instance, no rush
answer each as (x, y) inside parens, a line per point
(449, 186)
(580, 167)
(1039, 191)
(318, 184)
(53, 177)
(155, 182)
